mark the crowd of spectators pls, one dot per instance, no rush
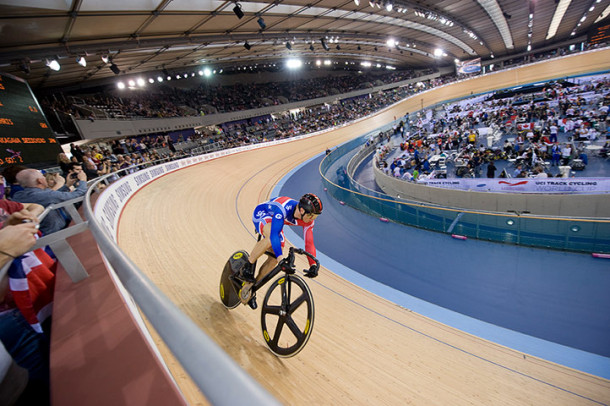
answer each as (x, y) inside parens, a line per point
(170, 101)
(551, 126)
(133, 151)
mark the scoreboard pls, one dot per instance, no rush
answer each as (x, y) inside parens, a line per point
(599, 34)
(25, 135)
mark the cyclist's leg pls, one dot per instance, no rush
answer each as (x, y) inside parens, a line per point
(262, 245)
(263, 226)
(267, 266)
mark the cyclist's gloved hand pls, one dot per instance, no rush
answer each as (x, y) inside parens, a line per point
(312, 272)
(286, 266)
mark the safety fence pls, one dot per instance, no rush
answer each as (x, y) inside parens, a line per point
(590, 235)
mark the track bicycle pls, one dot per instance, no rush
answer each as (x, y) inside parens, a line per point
(287, 312)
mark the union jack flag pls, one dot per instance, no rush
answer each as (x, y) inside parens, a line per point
(32, 284)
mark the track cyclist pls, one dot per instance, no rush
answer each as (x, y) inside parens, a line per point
(269, 219)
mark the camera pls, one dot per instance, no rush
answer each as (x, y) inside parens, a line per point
(73, 176)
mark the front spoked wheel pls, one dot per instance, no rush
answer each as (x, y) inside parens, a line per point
(287, 315)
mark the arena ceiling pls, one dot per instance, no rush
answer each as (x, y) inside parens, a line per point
(160, 37)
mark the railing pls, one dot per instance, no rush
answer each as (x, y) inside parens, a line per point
(590, 235)
(196, 352)
(211, 369)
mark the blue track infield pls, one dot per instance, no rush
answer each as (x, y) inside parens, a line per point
(550, 304)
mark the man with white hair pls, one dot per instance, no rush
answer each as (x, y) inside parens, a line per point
(36, 190)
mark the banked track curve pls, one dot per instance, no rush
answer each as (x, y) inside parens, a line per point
(181, 229)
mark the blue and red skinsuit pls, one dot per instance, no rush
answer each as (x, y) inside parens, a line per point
(280, 211)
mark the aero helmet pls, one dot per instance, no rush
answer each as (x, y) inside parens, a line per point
(311, 203)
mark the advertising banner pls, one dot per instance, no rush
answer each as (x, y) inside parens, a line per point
(524, 185)
(467, 67)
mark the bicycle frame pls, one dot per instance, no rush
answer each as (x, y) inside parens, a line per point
(291, 255)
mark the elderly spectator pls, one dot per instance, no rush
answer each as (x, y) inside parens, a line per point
(36, 190)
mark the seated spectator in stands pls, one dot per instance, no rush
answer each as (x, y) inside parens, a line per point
(508, 148)
(20, 344)
(55, 180)
(518, 171)
(93, 171)
(9, 173)
(407, 176)
(582, 133)
(76, 152)
(13, 213)
(426, 165)
(605, 150)
(88, 157)
(96, 155)
(36, 190)
(539, 172)
(63, 161)
(520, 140)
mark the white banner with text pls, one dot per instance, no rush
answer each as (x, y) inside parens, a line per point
(524, 185)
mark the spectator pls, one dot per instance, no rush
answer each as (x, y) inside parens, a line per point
(566, 153)
(13, 213)
(517, 172)
(63, 161)
(55, 180)
(491, 169)
(19, 343)
(36, 190)
(9, 173)
(555, 154)
(76, 152)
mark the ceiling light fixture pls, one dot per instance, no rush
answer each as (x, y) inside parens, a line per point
(105, 58)
(115, 69)
(247, 46)
(261, 23)
(238, 11)
(81, 61)
(53, 64)
(288, 45)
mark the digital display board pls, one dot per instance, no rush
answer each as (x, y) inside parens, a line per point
(599, 34)
(25, 135)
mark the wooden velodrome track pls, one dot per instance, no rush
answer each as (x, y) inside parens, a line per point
(181, 229)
